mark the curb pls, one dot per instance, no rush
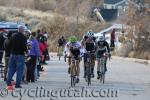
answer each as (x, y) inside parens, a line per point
(146, 62)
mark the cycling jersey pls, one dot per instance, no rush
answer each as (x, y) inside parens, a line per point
(69, 48)
(88, 44)
(102, 48)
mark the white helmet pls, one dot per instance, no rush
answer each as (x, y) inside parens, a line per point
(90, 33)
(101, 39)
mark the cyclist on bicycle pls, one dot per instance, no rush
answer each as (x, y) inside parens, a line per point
(74, 47)
(61, 41)
(88, 42)
(61, 44)
(102, 47)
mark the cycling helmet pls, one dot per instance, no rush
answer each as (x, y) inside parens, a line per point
(72, 39)
(101, 39)
(90, 33)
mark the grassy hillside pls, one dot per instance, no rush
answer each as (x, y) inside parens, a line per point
(67, 7)
(55, 23)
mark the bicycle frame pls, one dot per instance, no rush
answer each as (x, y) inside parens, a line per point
(60, 51)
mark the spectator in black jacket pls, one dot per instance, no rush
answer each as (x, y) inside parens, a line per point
(2, 39)
(7, 50)
(18, 44)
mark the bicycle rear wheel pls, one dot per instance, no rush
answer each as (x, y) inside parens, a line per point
(102, 71)
(72, 81)
(103, 78)
(89, 74)
(73, 78)
(59, 57)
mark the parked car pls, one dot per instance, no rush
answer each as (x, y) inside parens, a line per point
(12, 27)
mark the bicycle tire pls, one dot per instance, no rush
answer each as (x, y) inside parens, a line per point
(59, 57)
(72, 81)
(103, 78)
(73, 78)
(102, 75)
(89, 75)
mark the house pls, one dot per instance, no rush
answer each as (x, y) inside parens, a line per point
(115, 4)
(121, 4)
(112, 9)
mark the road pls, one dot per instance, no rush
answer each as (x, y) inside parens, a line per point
(130, 80)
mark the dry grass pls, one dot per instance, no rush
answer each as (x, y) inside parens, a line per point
(56, 24)
(125, 49)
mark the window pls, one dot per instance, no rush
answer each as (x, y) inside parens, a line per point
(109, 6)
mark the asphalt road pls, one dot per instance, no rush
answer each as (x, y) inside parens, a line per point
(125, 80)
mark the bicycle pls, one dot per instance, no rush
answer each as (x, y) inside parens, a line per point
(73, 71)
(60, 52)
(88, 67)
(102, 63)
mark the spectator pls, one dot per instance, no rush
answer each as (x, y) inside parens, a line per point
(45, 34)
(7, 50)
(112, 40)
(2, 39)
(43, 47)
(18, 45)
(33, 53)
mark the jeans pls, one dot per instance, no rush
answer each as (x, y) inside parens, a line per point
(16, 64)
(6, 67)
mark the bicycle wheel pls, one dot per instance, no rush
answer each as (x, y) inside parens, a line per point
(72, 81)
(73, 78)
(100, 78)
(89, 74)
(103, 78)
(102, 74)
(59, 57)
(58, 53)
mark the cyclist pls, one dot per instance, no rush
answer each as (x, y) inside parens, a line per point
(73, 48)
(102, 47)
(61, 41)
(61, 44)
(88, 42)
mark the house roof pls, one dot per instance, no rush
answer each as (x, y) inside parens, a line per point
(122, 4)
(112, 1)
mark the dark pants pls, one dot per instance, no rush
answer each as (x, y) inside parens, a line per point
(31, 64)
(112, 43)
(1, 56)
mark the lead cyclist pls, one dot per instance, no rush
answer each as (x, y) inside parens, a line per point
(73, 48)
(88, 42)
